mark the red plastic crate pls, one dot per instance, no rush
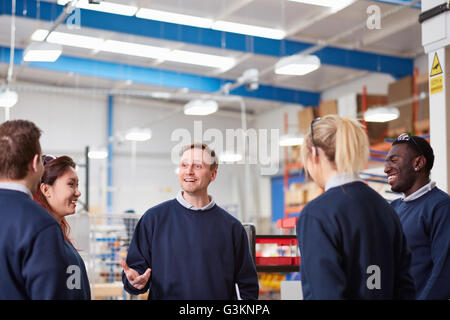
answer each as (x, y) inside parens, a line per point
(277, 261)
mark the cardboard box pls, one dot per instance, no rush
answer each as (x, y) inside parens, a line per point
(295, 154)
(295, 195)
(328, 107)
(398, 91)
(312, 191)
(305, 117)
(422, 125)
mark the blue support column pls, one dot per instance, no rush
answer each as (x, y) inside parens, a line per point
(109, 201)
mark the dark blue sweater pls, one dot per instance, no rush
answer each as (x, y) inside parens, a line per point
(77, 277)
(345, 235)
(33, 259)
(192, 254)
(426, 223)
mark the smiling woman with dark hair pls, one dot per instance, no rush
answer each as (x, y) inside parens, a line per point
(58, 194)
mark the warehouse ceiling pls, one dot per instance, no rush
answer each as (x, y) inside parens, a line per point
(350, 48)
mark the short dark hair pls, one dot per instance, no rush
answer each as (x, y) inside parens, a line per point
(203, 146)
(19, 143)
(421, 147)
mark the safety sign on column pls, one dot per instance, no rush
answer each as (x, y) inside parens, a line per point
(436, 76)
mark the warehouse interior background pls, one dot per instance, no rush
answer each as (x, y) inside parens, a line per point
(134, 65)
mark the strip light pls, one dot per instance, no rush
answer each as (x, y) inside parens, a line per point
(46, 52)
(171, 17)
(249, 29)
(104, 6)
(201, 59)
(134, 49)
(335, 5)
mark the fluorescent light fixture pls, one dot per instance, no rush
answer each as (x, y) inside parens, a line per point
(134, 49)
(161, 95)
(42, 51)
(297, 65)
(98, 154)
(200, 107)
(230, 157)
(75, 40)
(138, 134)
(249, 29)
(289, 140)
(335, 5)
(8, 98)
(104, 6)
(381, 114)
(202, 59)
(172, 17)
(39, 35)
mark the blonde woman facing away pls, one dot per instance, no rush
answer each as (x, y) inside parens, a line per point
(351, 242)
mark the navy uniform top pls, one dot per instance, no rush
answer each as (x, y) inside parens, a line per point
(352, 247)
(193, 254)
(426, 223)
(33, 259)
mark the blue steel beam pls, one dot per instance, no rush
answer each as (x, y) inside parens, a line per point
(400, 3)
(395, 66)
(117, 71)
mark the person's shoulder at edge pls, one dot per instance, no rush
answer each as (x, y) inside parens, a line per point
(27, 208)
(443, 199)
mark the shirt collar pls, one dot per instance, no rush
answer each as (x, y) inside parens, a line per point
(340, 179)
(187, 205)
(16, 187)
(420, 192)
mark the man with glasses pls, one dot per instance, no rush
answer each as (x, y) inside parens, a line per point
(424, 211)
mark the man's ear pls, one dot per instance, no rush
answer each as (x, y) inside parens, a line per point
(34, 165)
(214, 175)
(419, 163)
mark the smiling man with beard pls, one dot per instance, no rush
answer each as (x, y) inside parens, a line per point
(424, 211)
(189, 247)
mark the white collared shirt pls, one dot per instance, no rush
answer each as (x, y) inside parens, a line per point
(340, 179)
(187, 205)
(16, 187)
(420, 192)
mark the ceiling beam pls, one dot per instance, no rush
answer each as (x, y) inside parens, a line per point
(389, 29)
(171, 79)
(396, 66)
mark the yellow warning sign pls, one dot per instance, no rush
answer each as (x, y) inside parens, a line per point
(436, 67)
(436, 84)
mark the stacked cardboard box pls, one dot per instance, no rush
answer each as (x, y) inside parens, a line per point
(328, 107)
(398, 91)
(375, 131)
(305, 117)
(295, 154)
(295, 195)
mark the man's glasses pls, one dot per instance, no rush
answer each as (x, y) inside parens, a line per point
(46, 158)
(407, 137)
(312, 135)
